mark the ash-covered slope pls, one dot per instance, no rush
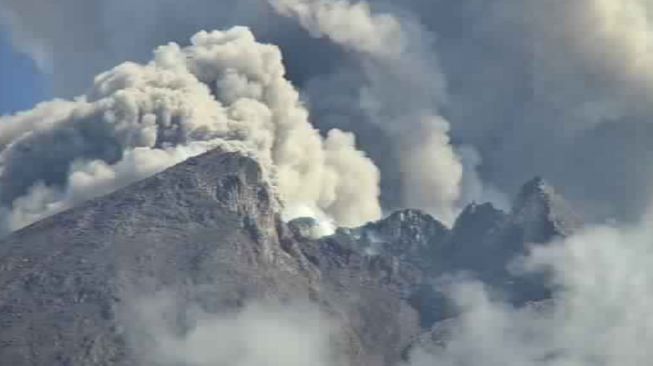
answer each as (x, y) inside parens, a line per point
(205, 230)
(65, 281)
(208, 231)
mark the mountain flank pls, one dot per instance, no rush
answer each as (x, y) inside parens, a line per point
(209, 232)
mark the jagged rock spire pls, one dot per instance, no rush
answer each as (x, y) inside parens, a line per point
(542, 212)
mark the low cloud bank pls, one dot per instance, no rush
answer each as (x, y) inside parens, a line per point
(601, 312)
(260, 333)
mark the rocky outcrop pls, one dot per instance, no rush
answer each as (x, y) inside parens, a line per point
(541, 213)
(410, 250)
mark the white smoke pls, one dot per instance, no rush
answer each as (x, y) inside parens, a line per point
(292, 334)
(320, 224)
(225, 90)
(352, 25)
(601, 312)
(616, 46)
(402, 92)
(473, 188)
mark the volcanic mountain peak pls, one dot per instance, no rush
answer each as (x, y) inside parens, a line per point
(543, 212)
(209, 231)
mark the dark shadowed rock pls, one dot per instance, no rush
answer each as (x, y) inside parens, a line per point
(486, 240)
(478, 221)
(304, 228)
(416, 249)
(476, 240)
(542, 214)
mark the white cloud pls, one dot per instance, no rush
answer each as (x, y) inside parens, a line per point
(260, 333)
(601, 312)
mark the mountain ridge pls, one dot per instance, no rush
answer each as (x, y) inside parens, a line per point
(209, 231)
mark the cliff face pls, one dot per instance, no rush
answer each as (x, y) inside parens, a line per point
(208, 232)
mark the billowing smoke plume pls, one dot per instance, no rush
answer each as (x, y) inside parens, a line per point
(553, 88)
(601, 312)
(224, 91)
(401, 91)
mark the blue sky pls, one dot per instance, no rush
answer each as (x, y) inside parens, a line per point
(21, 83)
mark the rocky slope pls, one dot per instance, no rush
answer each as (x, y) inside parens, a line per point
(208, 231)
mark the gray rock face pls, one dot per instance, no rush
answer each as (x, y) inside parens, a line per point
(65, 280)
(208, 230)
(542, 213)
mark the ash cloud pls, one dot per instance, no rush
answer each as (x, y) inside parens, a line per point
(225, 91)
(401, 91)
(556, 88)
